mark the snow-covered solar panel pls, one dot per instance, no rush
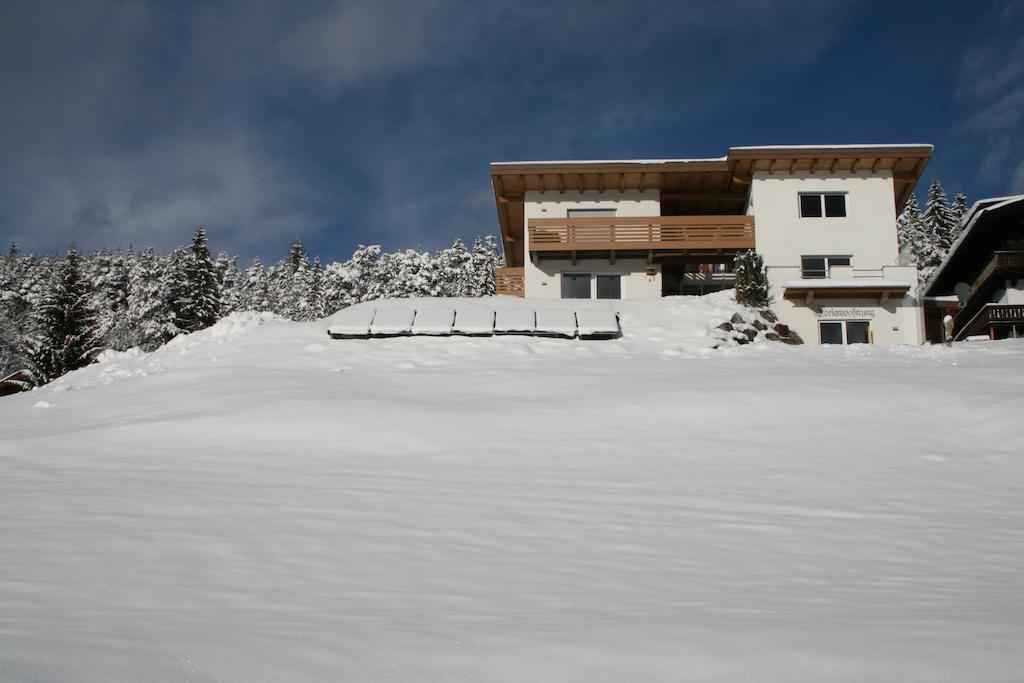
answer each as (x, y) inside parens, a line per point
(351, 322)
(556, 323)
(597, 324)
(436, 321)
(478, 322)
(514, 321)
(392, 321)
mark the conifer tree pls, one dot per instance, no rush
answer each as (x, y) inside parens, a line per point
(938, 216)
(255, 289)
(201, 306)
(751, 280)
(958, 212)
(150, 314)
(65, 325)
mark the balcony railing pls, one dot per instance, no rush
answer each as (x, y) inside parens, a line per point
(509, 281)
(991, 314)
(1001, 261)
(624, 233)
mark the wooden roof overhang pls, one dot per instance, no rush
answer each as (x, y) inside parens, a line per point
(809, 292)
(696, 186)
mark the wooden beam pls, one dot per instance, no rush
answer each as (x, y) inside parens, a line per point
(540, 178)
(650, 257)
(874, 166)
(883, 298)
(600, 183)
(703, 196)
(561, 184)
(643, 180)
(792, 165)
(832, 168)
(809, 297)
(572, 256)
(814, 164)
(771, 167)
(622, 183)
(611, 257)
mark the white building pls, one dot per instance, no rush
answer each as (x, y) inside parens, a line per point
(823, 218)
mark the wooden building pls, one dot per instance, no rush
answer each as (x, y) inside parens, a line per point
(981, 281)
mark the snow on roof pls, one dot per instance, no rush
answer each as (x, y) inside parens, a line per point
(434, 321)
(849, 283)
(608, 161)
(860, 146)
(393, 321)
(977, 210)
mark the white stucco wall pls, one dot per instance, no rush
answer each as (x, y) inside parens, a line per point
(867, 234)
(544, 280)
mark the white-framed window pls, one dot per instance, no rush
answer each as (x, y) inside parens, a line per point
(844, 332)
(822, 204)
(590, 213)
(816, 267)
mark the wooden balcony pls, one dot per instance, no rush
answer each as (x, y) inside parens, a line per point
(991, 315)
(708, 234)
(509, 282)
(1002, 263)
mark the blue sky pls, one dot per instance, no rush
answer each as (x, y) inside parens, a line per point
(342, 123)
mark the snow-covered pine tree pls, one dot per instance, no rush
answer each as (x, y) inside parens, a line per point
(483, 268)
(751, 280)
(958, 212)
(151, 320)
(455, 269)
(314, 301)
(65, 325)
(229, 281)
(911, 233)
(255, 294)
(938, 216)
(201, 307)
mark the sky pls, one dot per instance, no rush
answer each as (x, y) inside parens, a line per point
(344, 123)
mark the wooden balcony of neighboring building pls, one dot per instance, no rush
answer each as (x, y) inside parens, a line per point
(1002, 264)
(711, 235)
(509, 282)
(990, 317)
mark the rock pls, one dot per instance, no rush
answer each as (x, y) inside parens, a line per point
(771, 336)
(792, 338)
(750, 332)
(737, 319)
(769, 315)
(759, 325)
(783, 330)
(725, 326)
(742, 340)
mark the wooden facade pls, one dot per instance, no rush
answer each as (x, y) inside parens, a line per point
(509, 282)
(988, 254)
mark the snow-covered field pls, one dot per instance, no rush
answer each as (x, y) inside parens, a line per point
(257, 502)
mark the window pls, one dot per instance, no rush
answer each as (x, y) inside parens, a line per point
(609, 286)
(590, 213)
(575, 285)
(818, 204)
(820, 266)
(844, 332)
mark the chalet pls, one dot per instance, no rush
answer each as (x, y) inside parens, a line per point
(981, 281)
(822, 217)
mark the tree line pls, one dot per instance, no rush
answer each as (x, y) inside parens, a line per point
(925, 237)
(58, 312)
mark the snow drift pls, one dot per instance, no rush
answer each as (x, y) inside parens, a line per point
(259, 502)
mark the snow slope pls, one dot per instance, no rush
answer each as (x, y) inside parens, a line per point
(257, 502)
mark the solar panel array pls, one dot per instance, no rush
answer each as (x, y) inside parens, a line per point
(364, 322)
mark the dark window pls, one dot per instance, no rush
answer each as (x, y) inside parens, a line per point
(838, 261)
(835, 205)
(609, 286)
(831, 333)
(810, 206)
(857, 332)
(814, 266)
(590, 213)
(575, 285)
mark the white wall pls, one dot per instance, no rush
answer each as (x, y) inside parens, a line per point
(867, 234)
(544, 280)
(1012, 294)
